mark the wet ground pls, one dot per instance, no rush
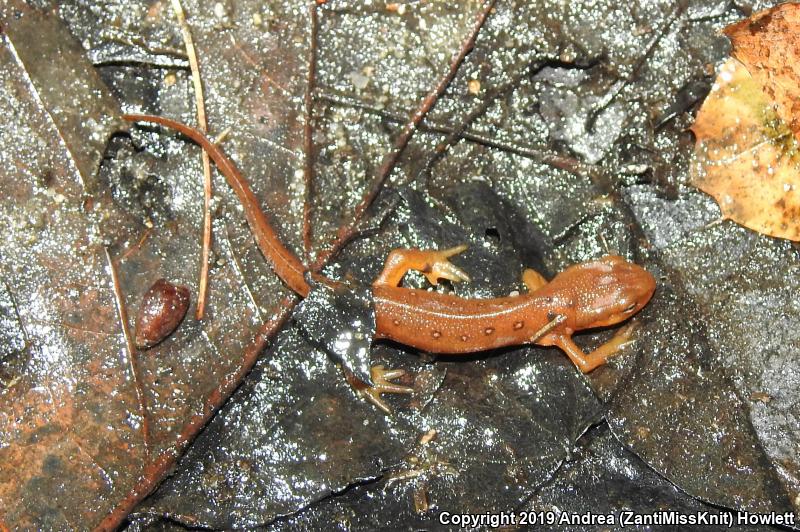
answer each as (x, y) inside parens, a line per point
(562, 137)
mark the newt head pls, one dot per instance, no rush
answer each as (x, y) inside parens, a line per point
(603, 292)
(620, 289)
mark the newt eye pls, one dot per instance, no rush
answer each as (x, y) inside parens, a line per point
(630, 308)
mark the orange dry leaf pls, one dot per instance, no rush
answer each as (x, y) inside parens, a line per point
(768, 44)
(747, 154)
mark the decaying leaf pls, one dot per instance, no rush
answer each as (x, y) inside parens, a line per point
(767, 45)
(748, 128)
(746, 156)
(72, 445)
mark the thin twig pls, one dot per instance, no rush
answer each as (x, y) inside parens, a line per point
(562, 162)
(308, 132)
(389, 161)
(133, 360)
(237, 267)
(202, 124)
(156, 469)
(547, 327)
(25, 337)
(17, 314)
(138, 245)
(112, 34)
(458, 132)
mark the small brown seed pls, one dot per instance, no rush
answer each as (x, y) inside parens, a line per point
(163, 307)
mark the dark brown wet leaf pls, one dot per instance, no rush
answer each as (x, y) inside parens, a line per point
(65, 85)
(65, 412)
(545, 408)
(706, 398)
(72, 440)
(678, 409)
(341, 321)
(606, 479)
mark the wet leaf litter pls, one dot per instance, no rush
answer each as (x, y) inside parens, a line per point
(518, 189)
(747, 129)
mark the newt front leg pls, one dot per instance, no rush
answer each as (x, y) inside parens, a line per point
(587, 362)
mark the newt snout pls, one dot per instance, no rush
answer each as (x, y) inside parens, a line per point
(604, 292)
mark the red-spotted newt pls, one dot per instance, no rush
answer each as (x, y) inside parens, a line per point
(593, 294)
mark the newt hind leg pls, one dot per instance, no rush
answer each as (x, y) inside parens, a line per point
(587, 362)
(434, 264)
(382, 378)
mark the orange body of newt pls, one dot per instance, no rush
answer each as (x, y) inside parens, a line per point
(592, 294)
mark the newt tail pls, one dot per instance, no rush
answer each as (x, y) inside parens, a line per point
(284, 262)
